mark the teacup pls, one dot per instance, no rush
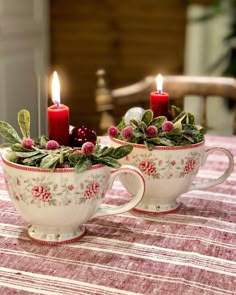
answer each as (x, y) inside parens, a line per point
(169, 171)
(56, 204)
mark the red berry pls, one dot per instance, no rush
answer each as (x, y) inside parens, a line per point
(113, 131)
(167, 126)
(52, 145)
(82, 134)
(151, 131)
(28, 143)
(87, 148)
(63, 165)
(127, 132)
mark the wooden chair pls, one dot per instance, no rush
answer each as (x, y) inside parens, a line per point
(108, 100)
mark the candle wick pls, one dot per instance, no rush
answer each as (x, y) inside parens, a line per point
(57, 103)
(159, 91)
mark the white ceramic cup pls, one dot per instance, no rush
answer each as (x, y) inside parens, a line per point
(57, 203)
(169, 172)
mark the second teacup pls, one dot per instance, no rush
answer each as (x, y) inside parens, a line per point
(169, 171)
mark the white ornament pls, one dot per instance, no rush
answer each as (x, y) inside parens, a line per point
(135, 113)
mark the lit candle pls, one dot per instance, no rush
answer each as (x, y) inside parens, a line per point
(58, 115)
(159, 100)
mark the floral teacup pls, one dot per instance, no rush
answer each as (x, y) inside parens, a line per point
(169, 171)
(56, 204)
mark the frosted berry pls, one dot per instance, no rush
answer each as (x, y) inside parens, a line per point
(87, 148)
(127, 132)
(113, 131)
(52, 145)
(151, 131)
(82, 134)
(167, 126)
(27, 143)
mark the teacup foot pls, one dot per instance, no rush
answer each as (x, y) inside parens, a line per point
(157, 209)
(41, 236)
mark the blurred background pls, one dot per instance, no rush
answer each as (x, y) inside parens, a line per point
(129, 39)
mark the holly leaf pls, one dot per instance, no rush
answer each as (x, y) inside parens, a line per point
(9, 133)
(24, 122)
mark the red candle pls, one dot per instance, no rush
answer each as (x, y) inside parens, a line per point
(58, 116)
(159, 100)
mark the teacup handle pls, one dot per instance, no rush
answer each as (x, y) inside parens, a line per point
(105, 210)
(221, 178)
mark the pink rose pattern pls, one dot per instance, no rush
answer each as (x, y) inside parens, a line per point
(40, 193)
(92, 190)
(147, 167)
(158, 168)
(190, 166)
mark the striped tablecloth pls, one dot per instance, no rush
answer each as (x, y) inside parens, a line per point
(192, 251)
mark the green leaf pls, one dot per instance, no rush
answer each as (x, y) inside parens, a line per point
(134, 123)
(83, 164)
(180, 117)
(17, 147)
(50, 161)
(9, 133)
(27, 154)
(106, 152)
(147, 117)
(190, 119)
(138, 133)
(43, 141)
(175, 111)
(166, 141)
(24, 122)
(122, 151)
(108, 161)
(154, 140)
(158, 121)
(30, 161)
(143, 126)
(121, 125)
(75, 158)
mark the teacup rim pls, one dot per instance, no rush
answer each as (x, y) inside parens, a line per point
(38, 169)
(142, 146)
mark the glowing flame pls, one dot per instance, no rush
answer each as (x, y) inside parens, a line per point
(159, 81)
(55, 89)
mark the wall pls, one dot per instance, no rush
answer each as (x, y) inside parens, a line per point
(130, 39)
(204, 47)
(24, 61)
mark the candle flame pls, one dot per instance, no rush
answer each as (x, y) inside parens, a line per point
(55, 89)
(159, 82)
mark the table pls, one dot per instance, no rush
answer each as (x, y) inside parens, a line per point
(191, 251)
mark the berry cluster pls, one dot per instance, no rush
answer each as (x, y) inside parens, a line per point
(142, 128)
(150, 131)
(80, 137)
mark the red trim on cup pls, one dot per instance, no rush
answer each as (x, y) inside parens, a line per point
(142, 146)
(38, 169)
(156, 213)
(54, 243)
